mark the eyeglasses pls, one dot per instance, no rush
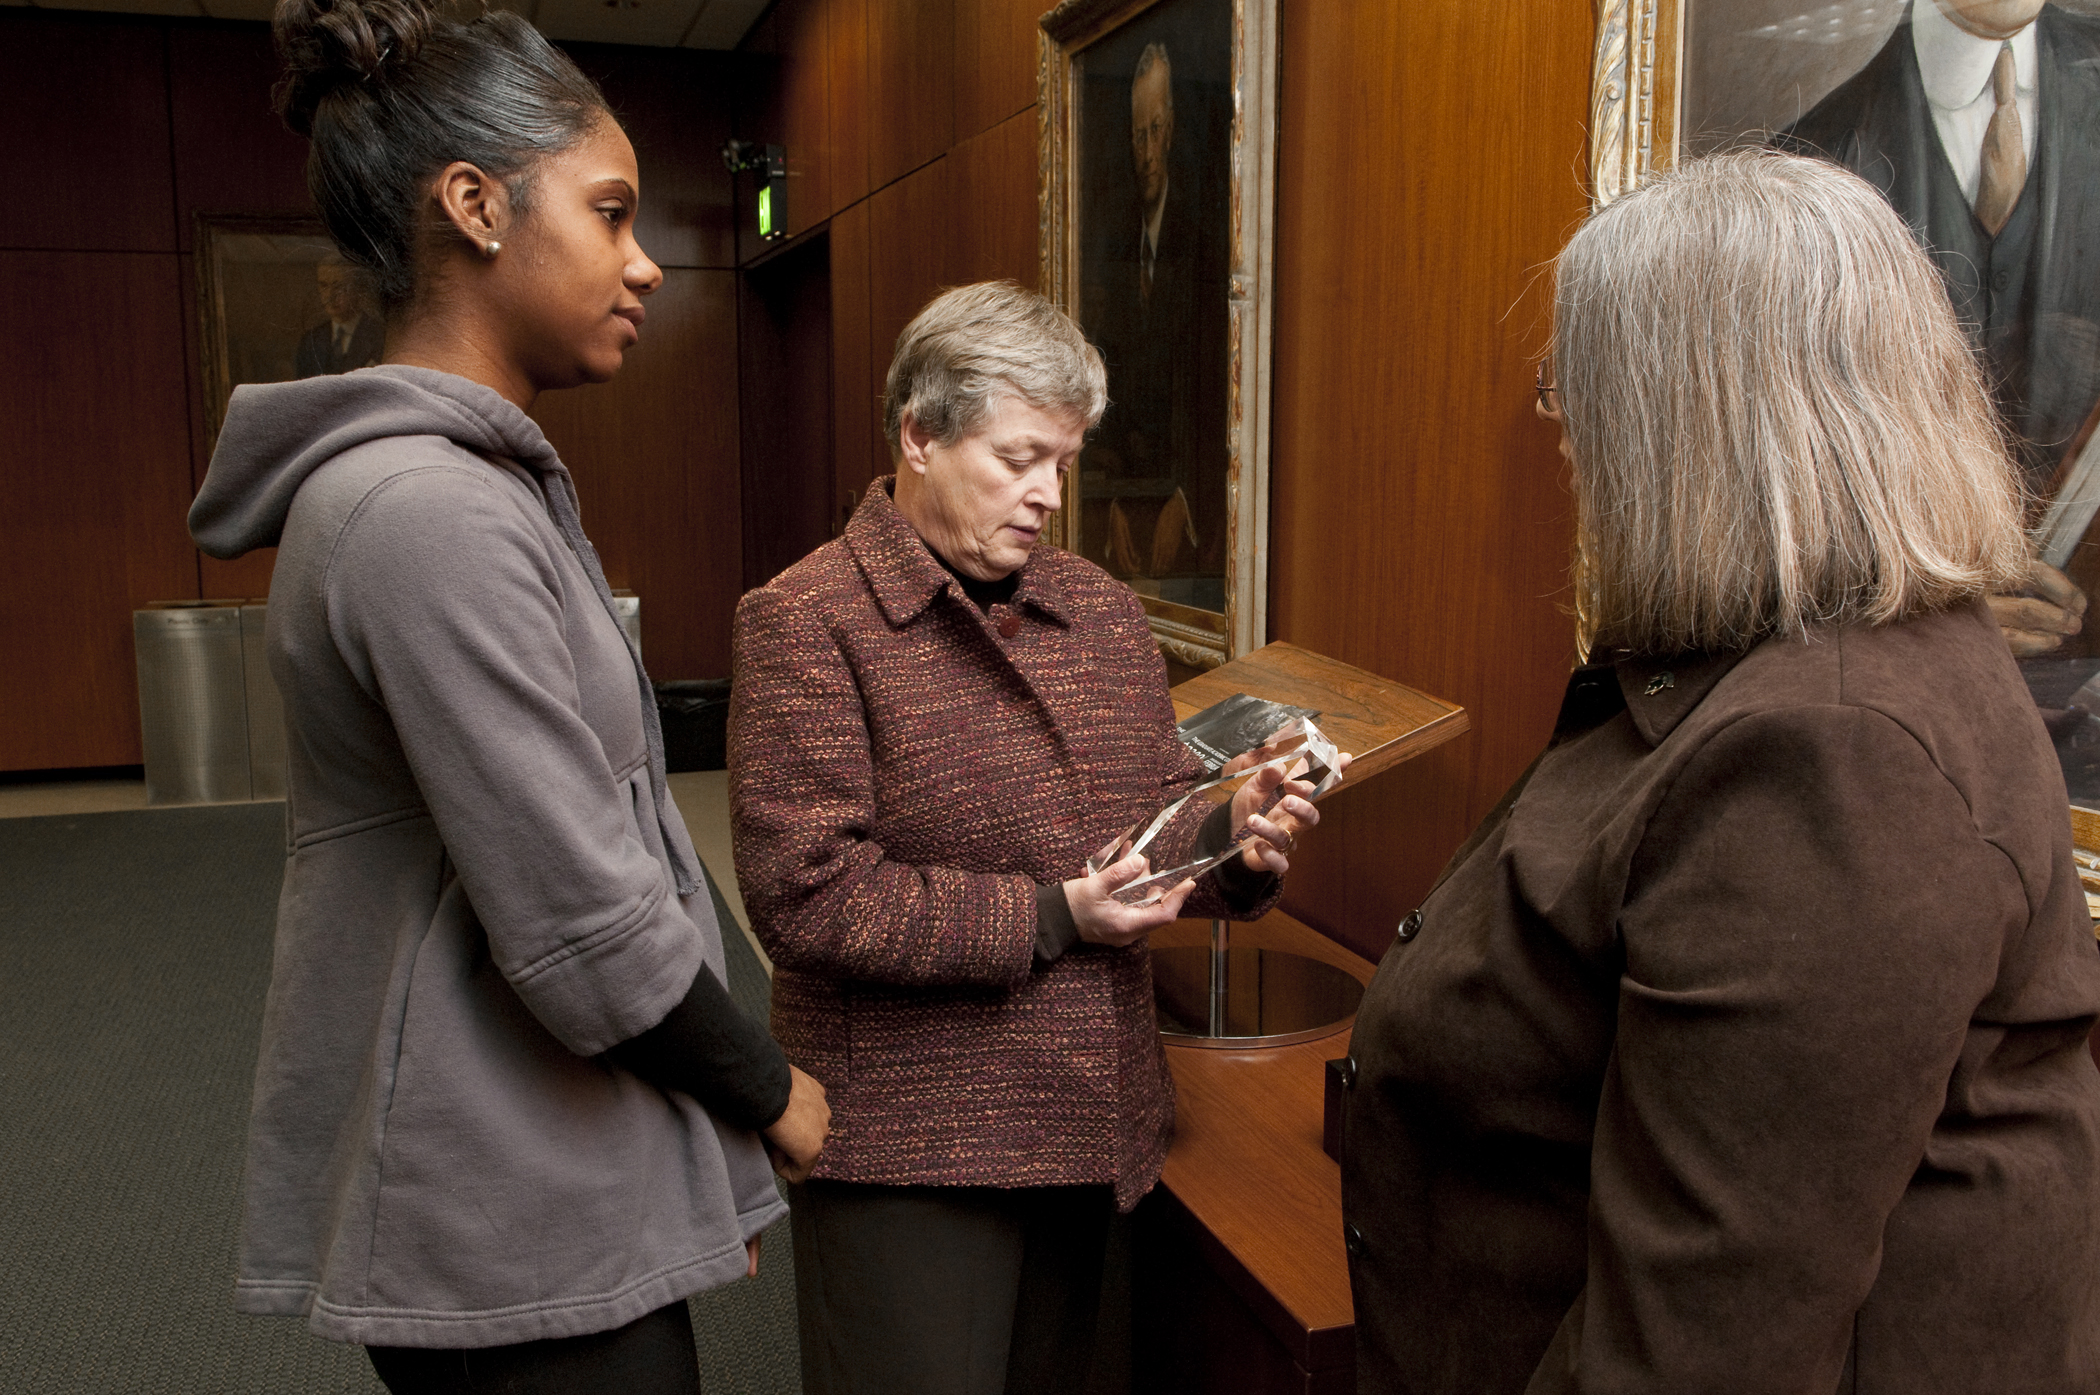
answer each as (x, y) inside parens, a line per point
(1549, 392)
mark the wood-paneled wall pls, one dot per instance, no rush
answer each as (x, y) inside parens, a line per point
(1430, 166)
(910, 131)
(654, 451)
(114, 133)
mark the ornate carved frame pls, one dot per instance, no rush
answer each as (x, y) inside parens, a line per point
(211, 297)
(1199, 638)
(1633, 92)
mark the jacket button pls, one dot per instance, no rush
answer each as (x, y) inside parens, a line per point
(1009, 626)
(1410, 927)
(2000, 280)
(1349, 1072)
(1352, 1239)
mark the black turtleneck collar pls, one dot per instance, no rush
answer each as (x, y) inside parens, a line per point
(983, 594)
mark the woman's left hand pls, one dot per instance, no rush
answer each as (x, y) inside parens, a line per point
(751, 1255)
(1278, 828)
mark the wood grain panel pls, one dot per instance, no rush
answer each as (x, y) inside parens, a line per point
(784, 393)
(911, 242)
(232, 154)
(96, 475)
(911, 85)
(859, 450)
(1429, 167)
(992, 190)
(995, 62)
(84, 112)
(654, 453)
(675, 106)
(846, 61)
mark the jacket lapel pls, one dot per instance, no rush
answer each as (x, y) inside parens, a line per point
(908, 582)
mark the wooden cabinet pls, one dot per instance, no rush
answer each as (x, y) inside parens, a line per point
(1239, 1281)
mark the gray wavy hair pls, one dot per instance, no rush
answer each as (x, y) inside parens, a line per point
(1777, 421)
(974, 344)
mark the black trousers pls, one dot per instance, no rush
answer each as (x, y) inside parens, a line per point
(948, 1290)
(653, 1355)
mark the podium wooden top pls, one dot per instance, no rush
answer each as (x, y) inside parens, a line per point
(1380, 722)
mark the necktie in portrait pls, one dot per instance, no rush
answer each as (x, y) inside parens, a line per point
(2004, 153)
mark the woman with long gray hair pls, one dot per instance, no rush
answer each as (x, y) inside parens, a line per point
(1743, 1046)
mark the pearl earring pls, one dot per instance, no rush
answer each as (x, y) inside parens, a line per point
(490, 250)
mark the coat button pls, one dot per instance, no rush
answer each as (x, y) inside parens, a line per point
(1349, 1072)
(1009, 626)
(1410, 927)
(1352, 1239)
(2000, 280)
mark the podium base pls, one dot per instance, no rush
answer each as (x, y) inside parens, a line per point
(1244, 999)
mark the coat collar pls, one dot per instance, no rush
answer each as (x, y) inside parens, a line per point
(1661, 692)
(905, 576)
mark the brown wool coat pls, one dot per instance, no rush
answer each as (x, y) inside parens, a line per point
(1746, 1050)
(903, 775)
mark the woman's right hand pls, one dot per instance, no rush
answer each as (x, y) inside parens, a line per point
(1103, 920)
(794, 1140)
(2042, 615)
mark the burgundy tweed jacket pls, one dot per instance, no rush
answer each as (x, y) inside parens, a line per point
(904, 774)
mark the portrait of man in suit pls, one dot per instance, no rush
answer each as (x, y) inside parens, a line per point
(1979, 120)
(353, 336)
(1153, 298)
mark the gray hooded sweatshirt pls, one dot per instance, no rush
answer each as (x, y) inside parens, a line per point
(481, 892)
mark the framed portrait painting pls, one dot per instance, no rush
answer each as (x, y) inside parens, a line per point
(1979, 121)
(277, 302)
(1157, 191)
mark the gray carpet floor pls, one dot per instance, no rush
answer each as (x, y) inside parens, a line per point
(134, 955)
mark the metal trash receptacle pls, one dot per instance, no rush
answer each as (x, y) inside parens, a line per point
(265, 708)
(628, 607)
(193, 701)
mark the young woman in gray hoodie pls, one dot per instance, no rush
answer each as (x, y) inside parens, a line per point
(506, 1117)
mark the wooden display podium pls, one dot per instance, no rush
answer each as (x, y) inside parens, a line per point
(1380, 722)
(1240, 1282)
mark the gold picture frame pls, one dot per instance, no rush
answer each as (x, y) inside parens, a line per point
(1633, 93)
(1163, 253)
(261, 314)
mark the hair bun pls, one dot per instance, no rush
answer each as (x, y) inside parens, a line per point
(326, 44)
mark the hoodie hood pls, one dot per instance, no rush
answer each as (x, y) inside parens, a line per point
(276, 434)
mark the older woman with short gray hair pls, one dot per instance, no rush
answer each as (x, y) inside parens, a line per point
(1743, 1047)
(937, 720)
